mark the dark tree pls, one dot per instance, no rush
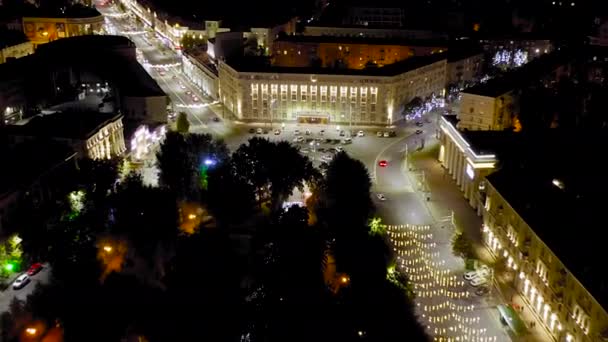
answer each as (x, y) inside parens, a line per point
(229, 197)
(345, 199)
(98, 177)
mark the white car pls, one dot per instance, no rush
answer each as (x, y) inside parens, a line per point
(347, 141)
(277, 132)
(379, 134)
(327, 157)
(381, 197)
(387, 134)
(308, 132)
(482, 272)
(470, 275)
(296, 132)
(259, 131)
(338, 149)
(298, 139)
(21, 281)
(360, 134)
(478, 282)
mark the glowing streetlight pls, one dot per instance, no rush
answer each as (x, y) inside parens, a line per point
(344, 279)
(191, 216)
(107, 248)
(31, 331)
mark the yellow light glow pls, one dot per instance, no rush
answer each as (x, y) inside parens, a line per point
(31, 331)
(191, 216)
(107, 248)
(344, 279)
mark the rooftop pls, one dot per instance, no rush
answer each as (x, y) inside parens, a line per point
(70, 125)
(75, 11)
(520, 77)
(360, 40)
(86, 43)
(26, 162)
(245, 65)
(547, 184)
(459, 52)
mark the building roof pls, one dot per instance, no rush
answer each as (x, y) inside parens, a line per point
(69, 125)
(75, 11)
(133, 80)
(457, 52)
(87, 44)
(397, 68)
(26, 162)
(569, 220)
(360, 40)
(522, 76)
(11, 38)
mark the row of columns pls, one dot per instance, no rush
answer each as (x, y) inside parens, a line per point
(455, 162)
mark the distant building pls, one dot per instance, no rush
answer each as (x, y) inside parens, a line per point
(66, 67)
(36, 172)
(41, 27)
(374, 16)
(225, 45)
(370, 32)
(348, 52)
(465, 65)
(13, 45)
(373, 96)
(494, 104)
(91, 135)
(533, 45)
(200, 69)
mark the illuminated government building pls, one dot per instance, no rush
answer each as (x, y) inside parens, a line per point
(372, 96)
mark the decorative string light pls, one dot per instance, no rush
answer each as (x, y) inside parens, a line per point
(442, 298)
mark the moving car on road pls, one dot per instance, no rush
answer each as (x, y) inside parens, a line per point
(482, 290)
(342, 133)
(478, 282)
(382, 163)
(381, 197)
(35, 268)
(418, 131)
(21, 281)
(360, 134)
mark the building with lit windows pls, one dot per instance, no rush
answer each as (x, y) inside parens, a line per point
(370, 32)
(543, 223)
(199, 68)
(91, 135)
(74, 21)
(348, 52)
(14, 45)
(375, 96)
(464, 65)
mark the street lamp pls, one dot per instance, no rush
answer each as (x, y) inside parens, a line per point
(107, 248)
(31, 331)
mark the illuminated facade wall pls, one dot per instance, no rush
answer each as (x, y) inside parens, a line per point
(16, 51)
(561, 302)
(465, 70)
(485, 113)
(466, 167)
(353, 55)
(201, 75)
(258, 96)
(107, 142)
(44, 30)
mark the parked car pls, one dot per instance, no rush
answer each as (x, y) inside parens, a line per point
(265, 131)
(216, 119)
(381, 197)
(342, 133)
(418, 131)
(321, 132)
(252, 130)
(296, 132)
(347, 141)
(21, 281)
(478, 281)
(469, 275)
(360, 134)
(277, 132)
(307, 132)
(35, 268)
(259, 131)
(298, 139)
(419, 123)
(392, 134)
(386, 135)
(379, 134)
(338, 149)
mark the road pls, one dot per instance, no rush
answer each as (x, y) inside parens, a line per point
(7, 296)
(164, 65)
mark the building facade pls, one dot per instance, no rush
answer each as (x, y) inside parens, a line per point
(480, 112)
(370, 32)
(292, 95)
(375, 16)
(466, 167)
(567, 310)
(16, 51)
(202, 73)
(465, 69)
(348, 53)
(105, 143)
(44, 30)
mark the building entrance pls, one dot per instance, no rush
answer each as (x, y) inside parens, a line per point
(322, 119)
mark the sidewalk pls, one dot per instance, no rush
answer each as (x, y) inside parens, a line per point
(445, 198)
